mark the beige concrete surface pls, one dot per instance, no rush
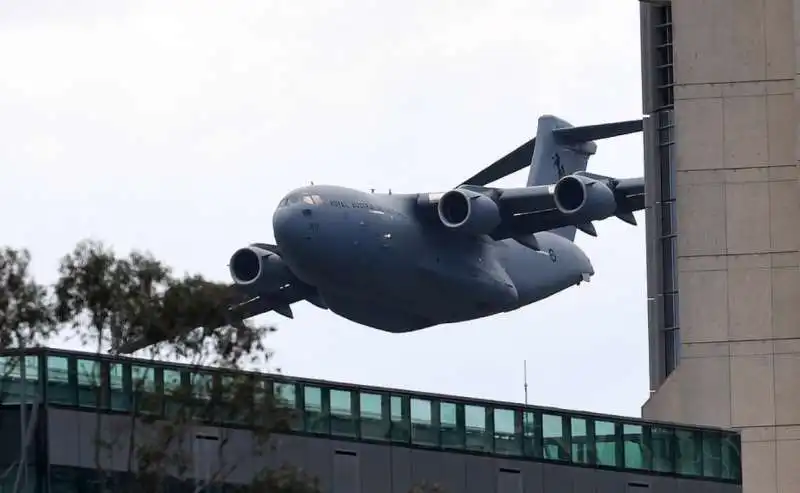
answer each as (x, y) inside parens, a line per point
(738, 200)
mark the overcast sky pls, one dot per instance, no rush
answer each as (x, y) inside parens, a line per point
(177, 126)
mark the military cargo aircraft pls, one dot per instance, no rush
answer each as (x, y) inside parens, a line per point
(408, 261)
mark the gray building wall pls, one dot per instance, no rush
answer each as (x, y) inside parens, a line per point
(350, 467)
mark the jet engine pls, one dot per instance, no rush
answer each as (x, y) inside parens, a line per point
(259, 269)
(581, 196)
(471, 212)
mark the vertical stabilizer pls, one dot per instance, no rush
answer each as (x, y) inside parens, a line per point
(553, 158)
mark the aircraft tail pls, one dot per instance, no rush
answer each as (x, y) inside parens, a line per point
(562, 149)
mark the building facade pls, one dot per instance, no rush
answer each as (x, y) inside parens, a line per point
(353, 439)
(723, 279)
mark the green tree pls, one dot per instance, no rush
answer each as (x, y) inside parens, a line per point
(135, 301)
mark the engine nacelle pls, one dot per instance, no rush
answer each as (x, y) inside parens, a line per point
(259, 269)
(589, 199)
(468, 211)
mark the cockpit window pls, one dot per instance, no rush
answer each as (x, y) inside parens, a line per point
(297, 198)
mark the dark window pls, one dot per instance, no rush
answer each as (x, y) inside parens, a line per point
(669, 266)
(672, 349)
(669, 220)
(667, 173)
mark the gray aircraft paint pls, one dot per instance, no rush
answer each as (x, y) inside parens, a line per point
(391, 262)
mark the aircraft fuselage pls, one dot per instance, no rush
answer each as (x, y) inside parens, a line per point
(373, 261)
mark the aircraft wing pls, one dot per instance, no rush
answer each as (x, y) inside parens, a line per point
(527, 210)
(533, 209)
(279, 302)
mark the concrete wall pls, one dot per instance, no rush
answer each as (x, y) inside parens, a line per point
(738, 204)
(358, 467)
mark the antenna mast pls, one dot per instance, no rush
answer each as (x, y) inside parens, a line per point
(525, 379)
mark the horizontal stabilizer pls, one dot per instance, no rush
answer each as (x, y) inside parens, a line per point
(510, 163)
(588, 133)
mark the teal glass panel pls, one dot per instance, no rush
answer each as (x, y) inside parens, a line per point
(579, 441)
(143, 386)
(507, 441)
(662, 444)
(175, 399)
(422, 430)
(286, 398)
(688, 452)
(531, 435)
(732, 456)
(313, 412)
(12, 388)
(606, 443)
(401, 421)
(202, 387)
(554, 439)
(59, 390)
(90, 387)
(633, 446)
(452, 434)
(477, 435)
(119, 399)
(343, 420)
(712, 454)
(375, 424)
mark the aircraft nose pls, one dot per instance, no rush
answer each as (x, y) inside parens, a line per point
(282, 227)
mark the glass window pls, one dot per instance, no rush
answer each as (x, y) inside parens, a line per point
(688, 460)
(731, 456)
(89, 384)
(531, 435)
(605, 436)
(59, 390)
(633, 448)
(400, 419)
(174, 400)
(662, 445)
(672, 349)
(116, 383)
(422, 423)
(201, 387)
(285, 394)
(477, 437)
(712, 454)
(343, 420)
(506, 438)
(554, 439)
(669, 220)
(314, 414)
(670, 310)
(452, 434)
(374, 421)
(581, 448)
(143, 385)
(669, 259)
